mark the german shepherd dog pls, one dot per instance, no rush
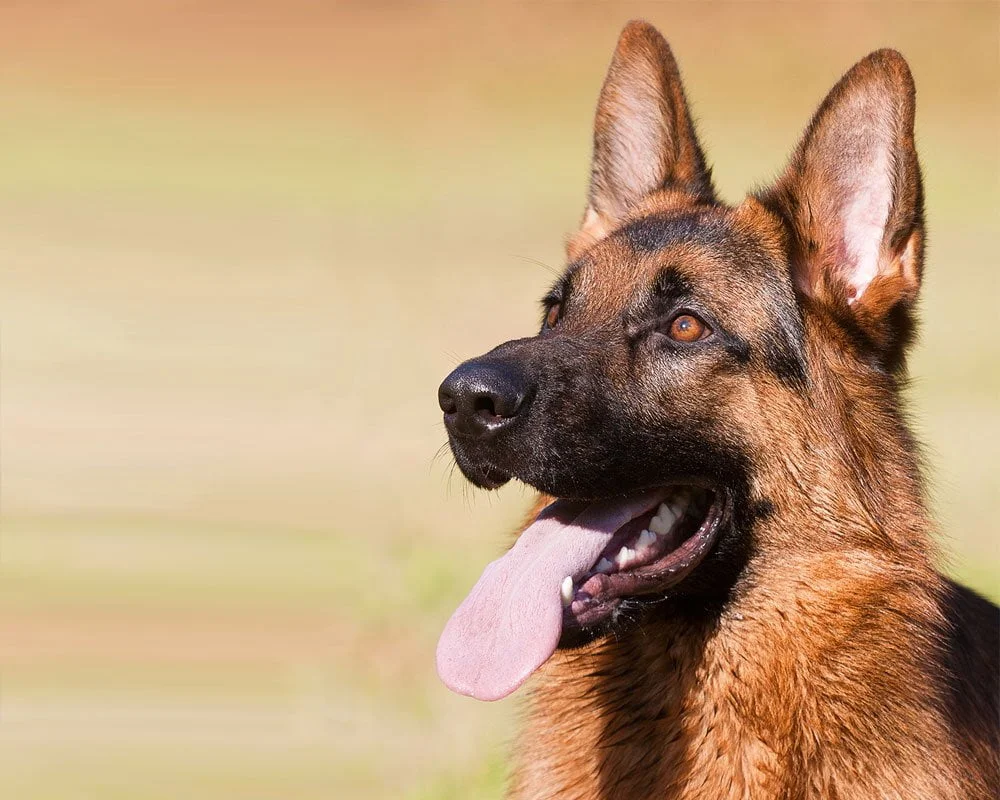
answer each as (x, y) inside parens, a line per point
(728, 589)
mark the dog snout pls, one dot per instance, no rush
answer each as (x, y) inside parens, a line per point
(479, 398)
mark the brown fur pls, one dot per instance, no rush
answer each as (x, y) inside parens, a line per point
(842, 664)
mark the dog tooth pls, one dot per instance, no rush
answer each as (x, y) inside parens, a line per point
(659, 525)
(604, 566)
(566, 591)
(668, 514)
(646, 538)
(625, 556)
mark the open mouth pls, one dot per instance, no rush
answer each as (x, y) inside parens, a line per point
(568, 573)
(646, 556)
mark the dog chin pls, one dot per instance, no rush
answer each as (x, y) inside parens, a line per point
(489, 480)
(481, 474)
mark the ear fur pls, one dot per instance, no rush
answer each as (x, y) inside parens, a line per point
(644, 140)
(852, 198)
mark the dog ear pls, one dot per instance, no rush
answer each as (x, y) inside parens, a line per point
(853, 200)
(643, 137)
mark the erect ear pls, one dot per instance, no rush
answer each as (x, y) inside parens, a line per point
(853, 199)
(643, 137)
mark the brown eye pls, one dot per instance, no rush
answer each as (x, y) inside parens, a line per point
(552, 317)
(687, 328)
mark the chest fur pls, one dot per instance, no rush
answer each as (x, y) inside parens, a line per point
(680, 711)
(630, 720)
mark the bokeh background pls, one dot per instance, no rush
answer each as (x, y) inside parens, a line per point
(240, 245)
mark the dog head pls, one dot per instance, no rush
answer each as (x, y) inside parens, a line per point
(690, 344)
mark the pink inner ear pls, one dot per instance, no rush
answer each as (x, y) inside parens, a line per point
(866, 201)
(853, 186)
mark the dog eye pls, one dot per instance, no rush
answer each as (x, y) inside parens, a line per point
(687, 328)
(552, 316)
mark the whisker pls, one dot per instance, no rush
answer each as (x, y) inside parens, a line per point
(437, 456)
(453, 357)
(448, 478)
(547, 267)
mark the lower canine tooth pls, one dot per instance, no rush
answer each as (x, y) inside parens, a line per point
(566, 591)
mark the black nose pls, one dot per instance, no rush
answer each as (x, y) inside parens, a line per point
(479, 398)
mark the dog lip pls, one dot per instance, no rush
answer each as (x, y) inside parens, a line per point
(608, 591)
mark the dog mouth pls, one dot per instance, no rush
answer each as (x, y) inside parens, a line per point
(566, 577)
(645, 557)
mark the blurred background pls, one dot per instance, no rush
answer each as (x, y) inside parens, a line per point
(241, 244)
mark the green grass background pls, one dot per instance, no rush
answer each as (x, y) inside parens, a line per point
(240, 245)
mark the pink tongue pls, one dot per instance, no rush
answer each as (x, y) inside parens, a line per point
(511, 621)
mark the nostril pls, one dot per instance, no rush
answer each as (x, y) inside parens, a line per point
(496, 406)
(485, 406)
(447, 401)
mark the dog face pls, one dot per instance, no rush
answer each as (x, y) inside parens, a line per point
(651, 345)
(690, 343)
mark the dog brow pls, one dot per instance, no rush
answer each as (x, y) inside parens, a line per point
(671, 283)
(657, 231)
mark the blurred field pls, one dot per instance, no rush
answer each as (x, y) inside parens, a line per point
(241, 244)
